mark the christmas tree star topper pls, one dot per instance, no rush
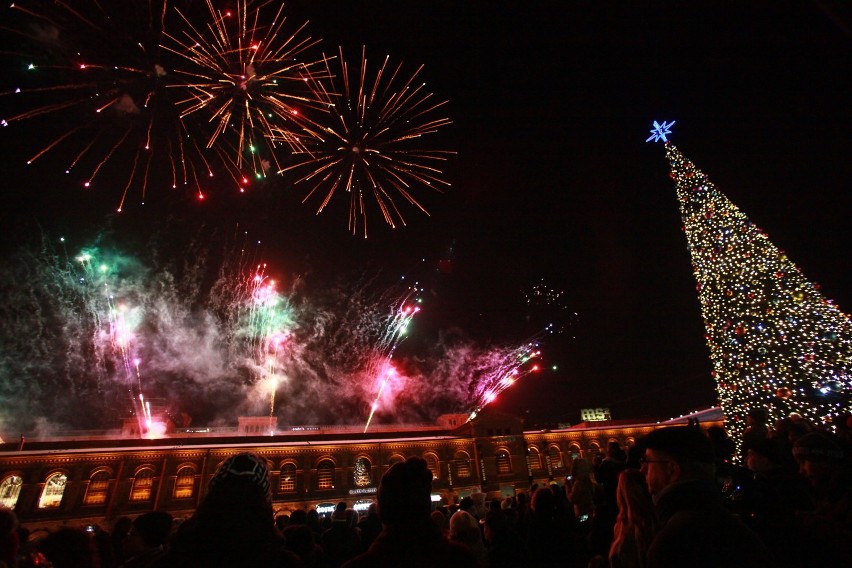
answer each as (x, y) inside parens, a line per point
(660, 131)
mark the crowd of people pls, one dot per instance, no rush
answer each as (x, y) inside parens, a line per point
(676, 498)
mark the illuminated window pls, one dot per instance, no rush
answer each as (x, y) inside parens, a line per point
(325, 475)
(555, 457)
(574, 450)
(96, 493)
(54, 488)
(288, 478)
(533, 459)
(462, 461)
(504, 462)
(362, 473)
(10, 488)
(142, 484)
(184, 482)
(433, 464)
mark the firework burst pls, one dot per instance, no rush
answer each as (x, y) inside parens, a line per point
(243, 83)
(370, 144)
(135, 91)
(90, 78)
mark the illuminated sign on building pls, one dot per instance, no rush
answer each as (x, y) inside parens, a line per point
(595, 414)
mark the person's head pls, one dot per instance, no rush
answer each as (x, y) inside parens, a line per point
(464, 528)
(149, 530)
(820, 456)
(543, 503)
(69, 548)
(757, 417)
(243, 476)
(764, 456)
(633, 498)
(494, 526)
(405, 493)
(676, 453)
(339, 513)
(298, 517)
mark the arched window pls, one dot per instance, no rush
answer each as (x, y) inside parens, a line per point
(594, 449)
(325, 474)
(287, 484)
(184, 482)
(395, 458)
(10, 489)
(433, 464)
(54, 488)
(555, 456)
(533, 459)
(96, 493)
(504, 462)
(142, 485)
(363, 476)
(574, 451)
(462, 462)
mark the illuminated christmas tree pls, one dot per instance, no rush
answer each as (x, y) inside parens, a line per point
(775, 341)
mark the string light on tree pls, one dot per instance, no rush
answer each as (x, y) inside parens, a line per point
(775, 341)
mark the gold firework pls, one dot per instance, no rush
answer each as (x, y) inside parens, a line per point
(370, 142)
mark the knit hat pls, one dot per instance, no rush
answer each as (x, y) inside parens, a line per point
(245, 469)
(405, 492)
(818, 445)
(461, 522)
(684, 442)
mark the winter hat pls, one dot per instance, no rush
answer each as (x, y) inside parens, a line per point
(244, 470)
(462, 522)
(405, 492)
(818, 445)
(684, 442)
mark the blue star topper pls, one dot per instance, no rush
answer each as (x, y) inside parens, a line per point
(660, 131)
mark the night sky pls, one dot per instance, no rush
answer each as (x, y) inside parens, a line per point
(553, 181)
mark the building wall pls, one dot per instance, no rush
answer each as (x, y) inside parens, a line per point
(494, 457)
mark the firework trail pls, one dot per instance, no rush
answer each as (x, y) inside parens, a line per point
(396, 331)
(370, 143)
(220, 338)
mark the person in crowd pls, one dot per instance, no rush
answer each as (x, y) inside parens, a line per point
(409, 537)
(757, 428)
(606, 475)
(442, 521)
(824, 461)
(504, 545)
(548, 536)
(118, 537)
(281, 522)
(69, 547)
(299, 540)
(636, 522)
(582, 492)
(464, 529)
(9, 543)
(146, 541)
(342, 540)
(696, 529)
(370, 526)
(233, 525)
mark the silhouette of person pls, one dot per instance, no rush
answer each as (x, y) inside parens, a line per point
(409, 537)
(696, 529)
